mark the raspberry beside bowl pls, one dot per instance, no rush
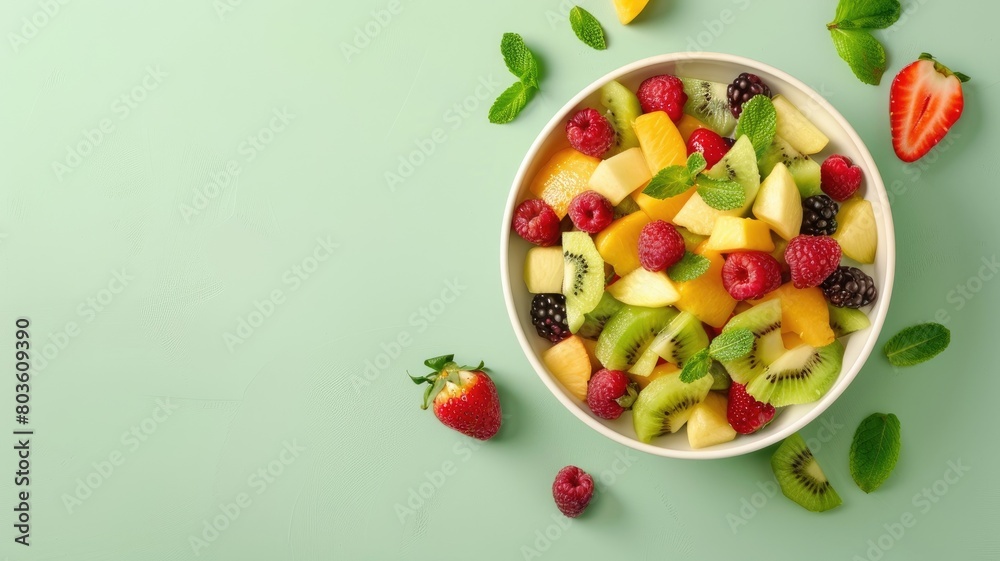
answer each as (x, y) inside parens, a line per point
(843, 140)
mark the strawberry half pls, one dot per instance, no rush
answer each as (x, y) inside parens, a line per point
(745, 414)
(464, 397)
(924, 102)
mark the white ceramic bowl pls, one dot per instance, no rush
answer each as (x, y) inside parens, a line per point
(843, 140)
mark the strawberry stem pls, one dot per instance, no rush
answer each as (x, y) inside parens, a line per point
(944, 69)
(445, 370)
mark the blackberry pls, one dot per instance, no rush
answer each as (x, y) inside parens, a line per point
(849, 287)
(743, 88)
(548, 314)
(819, 215)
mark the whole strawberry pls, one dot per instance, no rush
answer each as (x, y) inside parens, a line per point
(464, 397)
(745, 414)
(610, 393)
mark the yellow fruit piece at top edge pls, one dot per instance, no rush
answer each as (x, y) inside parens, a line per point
(661, 370)
(663, 146)
(803, 312)
(628, 9)
(732, 233)
(618, 244)
(564, 176)
(569, 362)
(705, 297)
(687, 125)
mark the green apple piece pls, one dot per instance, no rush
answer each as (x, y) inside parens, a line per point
(739, 165)
(779, 203)
(619, 175)
(543, 270)
(645, 288)
(794, 127)
(856, 231)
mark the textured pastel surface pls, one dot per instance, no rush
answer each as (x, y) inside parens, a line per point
(284, 214)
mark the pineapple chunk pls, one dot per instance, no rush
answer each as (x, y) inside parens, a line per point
(619, 175)
(779, 203)
(543, 270)
(857, 233)
(732, 234)
(645, 288)
(662, 370)
(569, 362)
(708, 424)
(795, 128)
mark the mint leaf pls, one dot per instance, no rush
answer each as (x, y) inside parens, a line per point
(733, 344)
(519, 59)
(865, 14)
(696, 367)
(690, 267)
(509, 104)
(759, 121)
(587, 28)
(874, 450)
(917, 344)
(863, 53)
(696, 163)
(669, 182)
(721, 194)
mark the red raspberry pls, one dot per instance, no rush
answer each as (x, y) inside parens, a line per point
(811, 259)
(748, 275)
(840, 178)
(660, 245)
(663, 93)
(745, 414)
(535, 221)
(572, 490)
(589, 132)
(610, 393)
(710, 144)
(591, 212)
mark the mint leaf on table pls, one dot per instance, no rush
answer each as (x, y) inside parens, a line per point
(519, 59)
(587, 28)
(690, 267)
(669, 182)
(509, 104)
(721, 194)
(865, 14)
(733, 344)
(863, 53)
(759, 121)
(696, 163)
(917, 344)
(696, 367)
(874, 450)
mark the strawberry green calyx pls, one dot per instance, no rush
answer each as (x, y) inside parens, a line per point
(631, 393)
(445, 370)
(944, 69)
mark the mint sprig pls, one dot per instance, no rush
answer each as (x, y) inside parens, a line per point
(675, 180)
(522, 63)
(875, 450)
(733, 344)
(917, 344)
(759, 122)
(587, 28)
(696, 367)
(690, 267)
(855, 44)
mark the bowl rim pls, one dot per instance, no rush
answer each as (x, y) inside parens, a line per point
(889, 245)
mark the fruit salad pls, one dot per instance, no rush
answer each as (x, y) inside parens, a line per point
(698, 256)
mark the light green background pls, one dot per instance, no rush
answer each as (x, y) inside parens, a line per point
(361, 445)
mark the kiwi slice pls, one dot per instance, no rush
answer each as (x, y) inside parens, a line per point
(847, 320)
(691, 240)
(707, 102)
(622, 110)
(800, 477)
(720, 378)
(805, 171)
(583, 277)
(627, 334)
(801, 375)
(764, 321)
(593, 323)
(680, 339)
(666, 404)
(625, 208)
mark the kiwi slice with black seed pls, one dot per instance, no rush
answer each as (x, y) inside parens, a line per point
(847, 320)
(583, 277)
(627, 334)
(801, 375)
(805, 171)
(681, 338)
(764, 321)
(666, 404)
(800, 477)
(621, 109)
(708, 102)
(593, 322)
